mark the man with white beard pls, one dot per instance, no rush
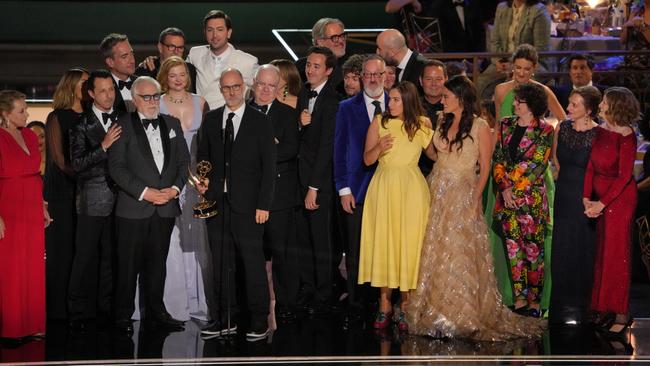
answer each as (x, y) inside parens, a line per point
(351, 175)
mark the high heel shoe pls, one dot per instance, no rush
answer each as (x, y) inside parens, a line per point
(400, 320)
(382, 320)
(614, 332)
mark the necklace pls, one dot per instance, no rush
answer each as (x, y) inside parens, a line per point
(176, 101)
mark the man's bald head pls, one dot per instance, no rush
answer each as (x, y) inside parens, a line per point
(391, 43)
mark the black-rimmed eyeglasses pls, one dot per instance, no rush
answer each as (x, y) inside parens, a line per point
(337, 37)
(173, 48)
(149, 97)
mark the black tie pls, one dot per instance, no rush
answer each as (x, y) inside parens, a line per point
(112, 117)
(261, 108)
(124, 84)
(397, 72)
(377, 105)
(229, 136)
(147, 122)
(312, 94)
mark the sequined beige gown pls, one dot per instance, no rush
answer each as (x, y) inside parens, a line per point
(456, 294)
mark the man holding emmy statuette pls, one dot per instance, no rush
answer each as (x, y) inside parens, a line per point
(149, 164)
(238, 141)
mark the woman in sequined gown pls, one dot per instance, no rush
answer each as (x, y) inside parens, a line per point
(574, 234)
(456, 293)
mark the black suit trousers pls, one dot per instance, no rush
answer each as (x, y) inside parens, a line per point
(235, 235)
(91, 281)
(142, 247)
(352, 225)
(280, 239)
(315, 248)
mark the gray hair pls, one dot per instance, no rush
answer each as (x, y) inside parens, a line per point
(267, 67)
(144, 79)
(370, 57)
(230, 69)
(318, 31)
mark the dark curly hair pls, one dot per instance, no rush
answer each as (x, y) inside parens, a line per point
(527, 52)
(465, 91)
(534, 96)
(591, 98)
(413, 109)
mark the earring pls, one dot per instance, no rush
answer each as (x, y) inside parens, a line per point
(285, 92)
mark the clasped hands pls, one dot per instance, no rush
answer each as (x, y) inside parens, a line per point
(593, 209)
(160, 196)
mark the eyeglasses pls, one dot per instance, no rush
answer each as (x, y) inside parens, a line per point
(337, 37)
(229, 88)
(265, 85)
(149, 97)
(173, 48)
(375, 75)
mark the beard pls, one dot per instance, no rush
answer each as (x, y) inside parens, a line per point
(374, 92)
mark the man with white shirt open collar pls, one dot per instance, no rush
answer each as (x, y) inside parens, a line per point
(149, 164)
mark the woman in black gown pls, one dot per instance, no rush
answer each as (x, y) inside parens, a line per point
(574, 234)
(59, 189)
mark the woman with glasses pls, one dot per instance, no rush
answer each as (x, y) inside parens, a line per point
(456, 294)
(188, 248)
(59, 189)
(520, 161)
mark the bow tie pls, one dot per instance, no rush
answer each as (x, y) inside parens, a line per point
(458, 2)
(261, 108)
(312, 94)
(109, 117)
(124, 84)
(147, 122)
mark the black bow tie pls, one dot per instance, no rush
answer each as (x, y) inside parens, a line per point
(312, 94)
(261, 108)
(147, 122)
(124, 84)
(109, 117)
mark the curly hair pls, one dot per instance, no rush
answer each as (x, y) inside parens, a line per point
(623, 107)
(591, 98)
(413, 109)
(465, 91)
(534, 96)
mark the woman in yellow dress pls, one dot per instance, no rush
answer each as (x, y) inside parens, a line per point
(397, 202)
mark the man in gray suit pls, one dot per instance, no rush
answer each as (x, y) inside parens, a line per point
(149, 164)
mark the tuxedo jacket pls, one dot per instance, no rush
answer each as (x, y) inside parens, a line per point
(119, 104)
(252, 165)
(455, 38)
(96, 191)
(336, 78)
(143, 71)
(352, 124)
(317, 139)
(132, 166)
(413, 69)
(563, 92)
(285, 129)
(207, 78)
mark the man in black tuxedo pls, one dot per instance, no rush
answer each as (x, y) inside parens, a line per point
(319, 102)
(149, 164)
(279, 231)
(238, 141)
(91, 285)
(581, 68)
(171, 42)
(461, 25)
(391, 46)
(329, 33)
(120, 61)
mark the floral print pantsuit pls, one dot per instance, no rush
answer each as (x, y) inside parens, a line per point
(524, 227)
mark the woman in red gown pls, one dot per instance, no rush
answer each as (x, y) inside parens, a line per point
(22, 215)
(610, 195)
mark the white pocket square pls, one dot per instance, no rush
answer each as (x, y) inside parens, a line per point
(172, 134)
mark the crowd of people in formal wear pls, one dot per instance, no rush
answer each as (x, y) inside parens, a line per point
(330, 182)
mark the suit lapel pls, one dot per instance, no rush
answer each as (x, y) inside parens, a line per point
(409, 66)
(94, 128)
(164, 137)
(143, 142)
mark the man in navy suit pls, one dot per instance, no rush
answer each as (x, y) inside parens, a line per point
(581, 69)
(351, 175)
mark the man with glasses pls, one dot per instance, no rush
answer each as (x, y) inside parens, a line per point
(218, 55)
(351, 175)
(279, 231)
(329, 33)
(171, 42)
(391, 46)
(149, 165)
(238, 141)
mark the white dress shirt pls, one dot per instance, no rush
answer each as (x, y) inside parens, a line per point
(312, 101)
(156, 146)
(403, 63)
(98, 114)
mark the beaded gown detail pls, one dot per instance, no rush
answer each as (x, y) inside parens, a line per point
(456, 294)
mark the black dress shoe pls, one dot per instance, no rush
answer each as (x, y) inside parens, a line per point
(124, 326)
(168, 318)
(78, 325)
(162, 325)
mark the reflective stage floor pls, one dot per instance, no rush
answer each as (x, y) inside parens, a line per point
(332, 340)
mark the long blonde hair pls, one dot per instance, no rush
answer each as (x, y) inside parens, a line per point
(7, 98)
(64, 97)
(166, 66)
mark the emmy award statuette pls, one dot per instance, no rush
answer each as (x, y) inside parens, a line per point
(204, 208)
